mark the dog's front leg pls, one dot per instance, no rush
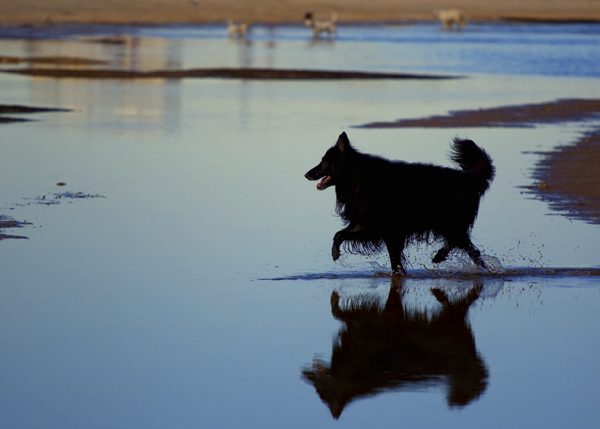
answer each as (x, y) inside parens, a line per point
(351, 232)
(338, 239)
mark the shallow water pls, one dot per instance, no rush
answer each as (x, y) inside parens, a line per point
(199, 290)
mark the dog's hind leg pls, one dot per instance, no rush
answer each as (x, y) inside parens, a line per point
(475, 255)
(465, 244)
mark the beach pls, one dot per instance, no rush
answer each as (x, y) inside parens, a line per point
(289, 11)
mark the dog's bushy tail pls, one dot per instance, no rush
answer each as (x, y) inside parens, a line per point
(472, 159)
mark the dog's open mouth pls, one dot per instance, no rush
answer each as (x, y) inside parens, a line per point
(324, 183)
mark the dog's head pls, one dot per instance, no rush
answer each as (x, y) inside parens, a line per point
(331, 164)
(308, 19)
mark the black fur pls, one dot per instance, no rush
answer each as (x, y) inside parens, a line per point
(393, 203)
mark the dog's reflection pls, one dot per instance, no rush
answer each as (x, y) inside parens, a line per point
(394, 348)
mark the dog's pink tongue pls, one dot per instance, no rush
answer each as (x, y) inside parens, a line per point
(322, 182)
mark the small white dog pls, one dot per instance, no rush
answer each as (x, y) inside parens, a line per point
(237, 30)
(450, 17)
(321, 26)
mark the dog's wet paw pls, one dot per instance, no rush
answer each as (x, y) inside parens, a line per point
(398, 271)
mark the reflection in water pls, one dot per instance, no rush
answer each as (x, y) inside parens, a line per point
(135, 106)
(120, 52)
(152, 105)
(397, 348)
(244, 52)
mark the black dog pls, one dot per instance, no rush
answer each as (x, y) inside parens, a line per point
(394, 203)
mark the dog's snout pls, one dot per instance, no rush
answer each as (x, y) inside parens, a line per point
(312, 174)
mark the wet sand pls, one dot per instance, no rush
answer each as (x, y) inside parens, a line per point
(18, 110)
(526, 115)
(53, 198)
(227, 73)
(6, 223)
(568, 180)
(272, 11)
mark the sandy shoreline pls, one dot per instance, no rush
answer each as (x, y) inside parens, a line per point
(280, 11)
(224, 73)
(567, 179)
(520, 116)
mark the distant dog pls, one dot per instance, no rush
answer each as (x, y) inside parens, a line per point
(450, 17)
(394, 203)
(237, 30)
(321, 26)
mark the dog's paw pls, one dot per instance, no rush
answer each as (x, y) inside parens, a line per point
(335, 253)
(398, 272)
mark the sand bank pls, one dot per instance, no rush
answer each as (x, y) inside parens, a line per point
(225, 73)
(526, 115)
(567, 179)
(278, 11)
(8, 223)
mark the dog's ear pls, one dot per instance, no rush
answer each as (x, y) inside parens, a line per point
(343, 143)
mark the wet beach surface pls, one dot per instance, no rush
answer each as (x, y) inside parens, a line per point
(184, 277)
(567, 178)
(527, 115)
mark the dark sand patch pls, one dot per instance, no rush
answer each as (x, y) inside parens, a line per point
(8, 119)
(509, 273)
(17, 109)
(59, 61)
(6, 223)
(271, 11)
(54, 198)
(568, 179)
(227, 73)
(526, 115)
